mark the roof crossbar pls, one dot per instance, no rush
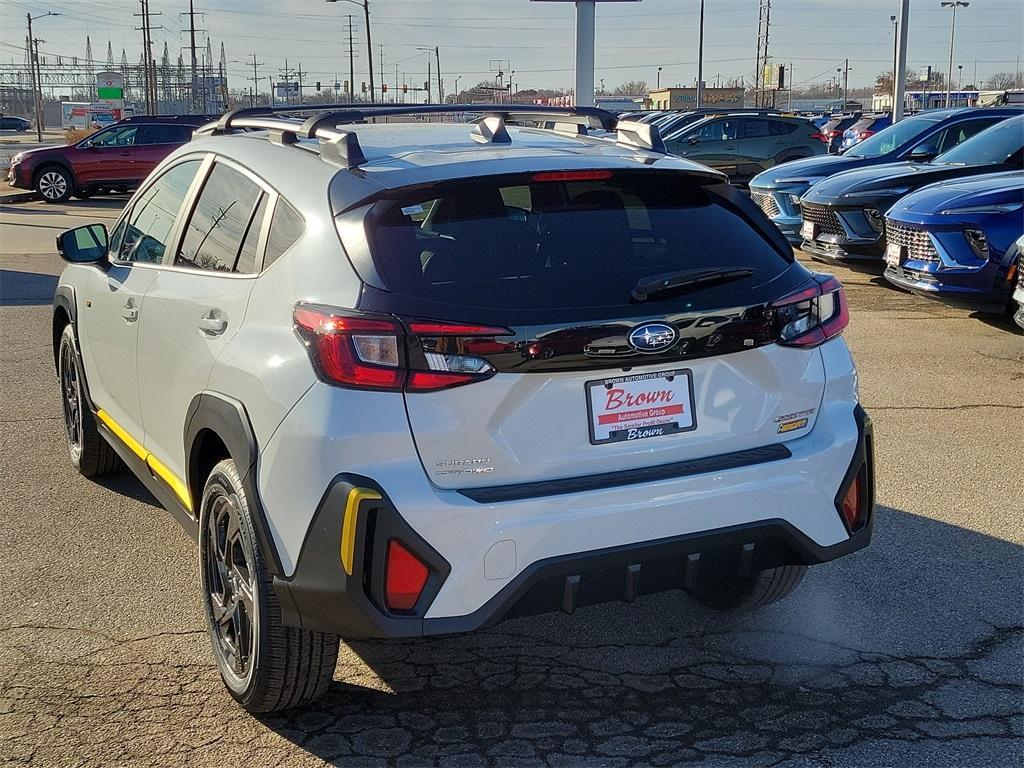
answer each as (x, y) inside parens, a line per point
(321, 121)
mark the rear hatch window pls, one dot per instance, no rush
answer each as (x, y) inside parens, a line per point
(569, 243)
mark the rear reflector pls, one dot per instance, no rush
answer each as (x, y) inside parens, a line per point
(571, 176)
(405, 577)
(854, 505)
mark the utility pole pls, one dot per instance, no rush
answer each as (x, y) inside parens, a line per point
(351, 65)
(764, 14)
(440, 86)
(298, 72)
(954, 4)
(700, 59)
(369, 48)
(396, 85)
(382, 81)
(149, 65)
(428, 80)
(286, 75)
(255, 93)
(846, 83)
(900, 75)
(192, 47)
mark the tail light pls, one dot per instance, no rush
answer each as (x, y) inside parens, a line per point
(864, 135)
(819, 136)
(812, 315)
(405, 576)
(359, 351)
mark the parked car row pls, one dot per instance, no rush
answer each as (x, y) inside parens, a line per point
(14, 124)
(937, 198)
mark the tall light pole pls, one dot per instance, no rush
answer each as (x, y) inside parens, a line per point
(437, 57)
(960, 77)
(369, 43)
(900, 75)
(585, 12)
(954, 4)
(37, 72)
(700, 59)
(895, 46)
(658, 86)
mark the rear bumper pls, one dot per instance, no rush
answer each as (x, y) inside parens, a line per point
(321, 596)
(517, 553)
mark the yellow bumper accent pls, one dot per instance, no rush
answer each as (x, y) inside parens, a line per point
(154, 464)
(348, 529)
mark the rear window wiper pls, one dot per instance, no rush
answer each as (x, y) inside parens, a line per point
(652, 285)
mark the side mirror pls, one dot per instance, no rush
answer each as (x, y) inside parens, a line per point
(922, 153)
(693, 140)
(83, 245)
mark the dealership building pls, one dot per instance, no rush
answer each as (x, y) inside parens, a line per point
(686, 98)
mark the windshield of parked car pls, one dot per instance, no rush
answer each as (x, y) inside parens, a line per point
(993, 145)
(559, 240)
(885, 141)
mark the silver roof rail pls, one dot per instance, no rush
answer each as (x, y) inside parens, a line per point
(287, 126)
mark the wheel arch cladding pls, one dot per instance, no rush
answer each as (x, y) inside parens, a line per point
(63, 313)
(53, 163)
(218, 427)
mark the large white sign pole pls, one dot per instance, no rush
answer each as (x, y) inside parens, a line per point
(585, 53)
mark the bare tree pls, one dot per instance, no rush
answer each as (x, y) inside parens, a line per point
(632, 88)
(1000, 81)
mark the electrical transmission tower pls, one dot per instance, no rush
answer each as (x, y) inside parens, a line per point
(763, 95)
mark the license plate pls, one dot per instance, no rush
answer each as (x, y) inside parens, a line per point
(807, 230)
(893, 254)
(641, 406)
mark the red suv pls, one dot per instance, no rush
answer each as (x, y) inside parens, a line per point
(116, 158)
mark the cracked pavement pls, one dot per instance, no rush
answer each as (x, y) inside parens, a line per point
(909, 653)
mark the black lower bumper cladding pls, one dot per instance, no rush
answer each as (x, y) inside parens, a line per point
(321, 596)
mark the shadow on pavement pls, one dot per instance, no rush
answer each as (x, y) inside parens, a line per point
(26, 289)
(920, 666)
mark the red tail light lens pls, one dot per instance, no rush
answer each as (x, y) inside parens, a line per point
(812, 315)
(865, 134)
(818, 136)
(359, 351)
(855, 502)
(405, 577)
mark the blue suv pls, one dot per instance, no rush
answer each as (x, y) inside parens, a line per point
(920, 138)
(955, 240)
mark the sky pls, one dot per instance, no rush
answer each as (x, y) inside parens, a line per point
(537, 38)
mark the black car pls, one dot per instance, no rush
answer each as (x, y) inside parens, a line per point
(844, 216)
(920, 138)
(14, 124)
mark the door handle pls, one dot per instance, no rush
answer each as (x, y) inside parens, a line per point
(130, 312)
(213, 324)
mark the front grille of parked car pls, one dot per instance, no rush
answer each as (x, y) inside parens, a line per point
(918, 243)
(766, 202)
(823, 217)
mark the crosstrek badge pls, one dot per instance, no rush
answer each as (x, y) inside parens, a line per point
(642, 406)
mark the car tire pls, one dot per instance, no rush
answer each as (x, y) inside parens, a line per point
(739, 592)
(90, 454)
(54, 184)
(265, 665)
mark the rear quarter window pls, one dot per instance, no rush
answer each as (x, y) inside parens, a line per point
(536, 242)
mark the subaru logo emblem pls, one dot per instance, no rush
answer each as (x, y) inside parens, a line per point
(652, 337)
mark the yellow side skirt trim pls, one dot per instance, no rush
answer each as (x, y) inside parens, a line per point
(348, 531)
(155, 465)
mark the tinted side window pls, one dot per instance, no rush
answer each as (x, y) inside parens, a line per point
(756, 129)
(718, 130)
(285, 228)
(163, 134)
(149, 225)
(954, 134)
(123, 136)
(779, 128)
(248, 256)
(218, 224)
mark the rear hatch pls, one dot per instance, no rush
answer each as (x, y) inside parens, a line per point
(592, 322)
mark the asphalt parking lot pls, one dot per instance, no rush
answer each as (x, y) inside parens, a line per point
(908, 653)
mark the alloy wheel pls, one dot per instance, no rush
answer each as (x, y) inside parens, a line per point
(230, 586)
(71, 399)
(53, 185)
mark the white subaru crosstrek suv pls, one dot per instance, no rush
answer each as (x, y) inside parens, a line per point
(405, 378)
